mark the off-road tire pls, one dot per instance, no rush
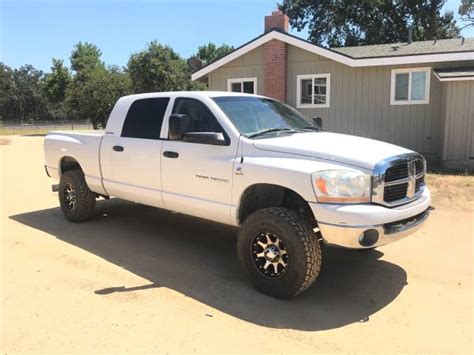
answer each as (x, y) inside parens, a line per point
(302, 246)
(85, 198)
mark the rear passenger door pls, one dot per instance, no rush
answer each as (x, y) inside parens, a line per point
(131, 162)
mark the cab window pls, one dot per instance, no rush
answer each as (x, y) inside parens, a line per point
(202, 119)
(145, 118)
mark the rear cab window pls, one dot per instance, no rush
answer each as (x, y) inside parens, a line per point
(145, 118)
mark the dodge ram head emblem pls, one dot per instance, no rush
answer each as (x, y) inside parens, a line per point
(411, 179)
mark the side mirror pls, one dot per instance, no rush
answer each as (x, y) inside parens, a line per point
(318, 122)
(213, 138)
(178, 125)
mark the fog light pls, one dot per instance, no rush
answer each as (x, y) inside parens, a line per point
(369, 238)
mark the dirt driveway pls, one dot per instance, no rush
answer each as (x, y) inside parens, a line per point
(139, 279)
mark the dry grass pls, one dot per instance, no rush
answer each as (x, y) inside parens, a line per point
(455, 191)
(41, 128)
(24, 132)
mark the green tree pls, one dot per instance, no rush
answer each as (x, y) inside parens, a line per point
(55, 86)
(21, 94)
(210, 52)
(94, 88)
(158, 68)
(56, 82)
(466, 11)
(359, 22)
(94, 96)
(198, 86)
(8, 102)
(32, 102)
(85, 56)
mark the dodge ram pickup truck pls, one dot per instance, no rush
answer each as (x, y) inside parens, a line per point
(248, 161)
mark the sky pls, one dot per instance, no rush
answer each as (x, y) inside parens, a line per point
(34, 31)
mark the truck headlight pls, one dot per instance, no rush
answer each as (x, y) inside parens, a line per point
(342, 186)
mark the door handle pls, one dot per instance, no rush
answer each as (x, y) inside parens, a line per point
(117, 148)
(169, 154)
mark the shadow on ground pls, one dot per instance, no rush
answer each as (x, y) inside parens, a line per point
(198, 259)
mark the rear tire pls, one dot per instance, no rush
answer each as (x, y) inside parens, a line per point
(76, 200)
(280, 252)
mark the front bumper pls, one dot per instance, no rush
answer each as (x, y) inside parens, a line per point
(369, 226)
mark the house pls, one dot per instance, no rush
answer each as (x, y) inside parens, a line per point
(419, 95)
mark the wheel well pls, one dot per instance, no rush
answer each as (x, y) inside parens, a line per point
(68, 164)
(259, 196)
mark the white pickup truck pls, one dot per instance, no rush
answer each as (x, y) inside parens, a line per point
(248, 161)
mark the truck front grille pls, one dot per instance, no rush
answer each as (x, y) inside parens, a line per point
(395, 192)
(420, 166)
(398, 180)
(396, 172)
(420, 182)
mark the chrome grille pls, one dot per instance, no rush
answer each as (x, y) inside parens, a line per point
(420, 166)
(396, 172)
(420, 182)
(395, 192)
(398, 180)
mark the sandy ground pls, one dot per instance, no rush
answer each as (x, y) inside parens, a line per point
(142, 280)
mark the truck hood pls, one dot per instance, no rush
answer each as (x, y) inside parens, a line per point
(339, 148)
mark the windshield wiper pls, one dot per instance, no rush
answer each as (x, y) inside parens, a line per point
(270, 130)
(312, 128)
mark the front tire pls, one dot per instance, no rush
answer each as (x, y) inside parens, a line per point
(76, 200)
(279, 251)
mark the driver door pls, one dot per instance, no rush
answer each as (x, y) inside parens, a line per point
(197, 177)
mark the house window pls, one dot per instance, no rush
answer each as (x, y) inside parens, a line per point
(313, 90)
(410, 86)
(245, 85)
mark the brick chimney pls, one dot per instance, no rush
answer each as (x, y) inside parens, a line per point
(275, 58)
(276, 21)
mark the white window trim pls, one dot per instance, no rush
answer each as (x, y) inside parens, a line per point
(327, 76)
(241, 80)
(409, 71)
(454, 78)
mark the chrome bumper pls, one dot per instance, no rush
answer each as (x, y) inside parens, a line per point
(370, 225)
(362, 237)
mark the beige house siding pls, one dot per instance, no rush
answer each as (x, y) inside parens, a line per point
(359, 98)
(457, 111)
(360, 102)
(249, 65)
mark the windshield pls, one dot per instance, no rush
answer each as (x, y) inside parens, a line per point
(258, 116)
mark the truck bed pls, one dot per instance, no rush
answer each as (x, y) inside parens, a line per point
(85, 132)
(82, 146)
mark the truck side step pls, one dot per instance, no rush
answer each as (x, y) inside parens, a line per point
(55, 187)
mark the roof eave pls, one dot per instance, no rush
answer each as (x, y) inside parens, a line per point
(331, 54)
(257, 42)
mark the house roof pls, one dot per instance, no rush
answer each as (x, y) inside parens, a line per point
(455, 74)
(345, 56)
(453, 45)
